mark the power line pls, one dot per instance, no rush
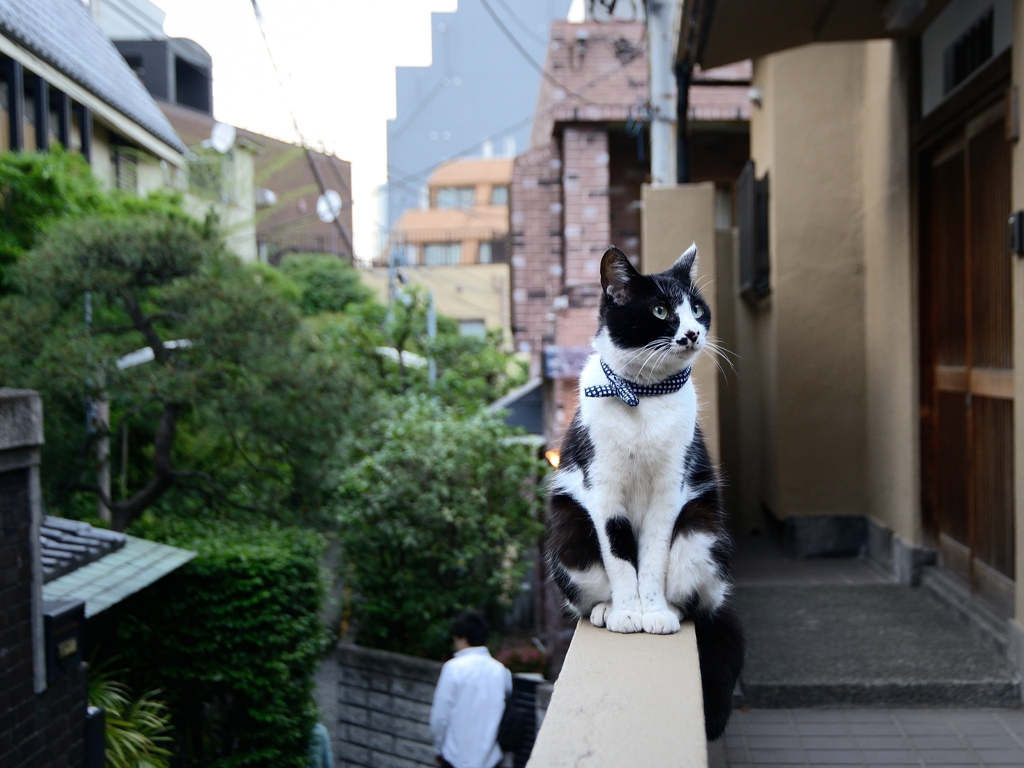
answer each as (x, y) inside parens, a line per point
(624, 62)
(518, 46)
(522, 24)
(295, 124)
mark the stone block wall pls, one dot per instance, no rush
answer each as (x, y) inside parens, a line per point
(376, 706)
(43, 729)
(383, 709)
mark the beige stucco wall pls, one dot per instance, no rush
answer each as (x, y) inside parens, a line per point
(1018, 336)
(238, 213)
(893, 444)
(810, 143)
(470, 292)
(672, 219)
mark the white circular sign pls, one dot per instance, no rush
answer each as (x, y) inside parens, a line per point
(328, 206)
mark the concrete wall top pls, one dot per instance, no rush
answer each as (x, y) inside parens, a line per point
(21, 419)
(625, 700)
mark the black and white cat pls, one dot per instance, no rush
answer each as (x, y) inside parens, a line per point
(636, 530)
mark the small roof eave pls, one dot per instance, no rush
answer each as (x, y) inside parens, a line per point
(724, 31)
(118, 575)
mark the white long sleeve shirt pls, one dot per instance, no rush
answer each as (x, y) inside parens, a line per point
(468, 704)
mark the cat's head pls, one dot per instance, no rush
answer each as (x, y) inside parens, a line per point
(651, 325)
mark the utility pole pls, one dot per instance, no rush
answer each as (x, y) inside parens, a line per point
(101, 414)
(663, 92)
(432, 335)
(97, 422)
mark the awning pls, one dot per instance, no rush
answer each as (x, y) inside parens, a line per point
(720, 32)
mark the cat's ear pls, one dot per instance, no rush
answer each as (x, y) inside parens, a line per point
(685, 267)
(617, 275)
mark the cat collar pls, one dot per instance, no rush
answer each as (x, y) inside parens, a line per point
(630, 392)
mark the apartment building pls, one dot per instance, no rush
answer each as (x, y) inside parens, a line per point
(457, 245)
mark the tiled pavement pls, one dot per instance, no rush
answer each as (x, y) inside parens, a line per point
(875, 737)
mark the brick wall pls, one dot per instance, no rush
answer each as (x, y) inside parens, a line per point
(585, 184)
(536, 216)
(37, 730)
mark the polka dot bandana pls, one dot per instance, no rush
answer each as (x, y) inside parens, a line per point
(631, 392)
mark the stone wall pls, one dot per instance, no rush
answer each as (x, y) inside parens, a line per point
(39, 727)
(376, 705)
(383, 709)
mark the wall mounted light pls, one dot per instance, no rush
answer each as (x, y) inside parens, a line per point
(1017, 233)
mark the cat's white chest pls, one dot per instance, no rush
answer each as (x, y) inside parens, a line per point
(639, 451)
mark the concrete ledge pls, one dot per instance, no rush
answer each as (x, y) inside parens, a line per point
(21, 419)
(1015, 649)
(824, 535)
(625, 700)
(894, 555)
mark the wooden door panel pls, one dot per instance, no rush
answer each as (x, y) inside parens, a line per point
(992, 423)
(953, 459)
(983, 382)
(967, 354)
(948, 260)
(991, 338)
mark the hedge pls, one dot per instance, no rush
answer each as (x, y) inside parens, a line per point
(233, 639)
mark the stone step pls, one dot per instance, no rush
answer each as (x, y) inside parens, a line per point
(956, 596)
(877, 645)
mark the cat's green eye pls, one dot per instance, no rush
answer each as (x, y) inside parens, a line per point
(660, 312)
(698, 311)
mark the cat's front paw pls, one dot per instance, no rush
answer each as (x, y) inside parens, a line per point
(599, 616)
(661, 622)
(625, 621)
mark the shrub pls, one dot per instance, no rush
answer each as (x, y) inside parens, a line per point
(233, 639)
(524, 658)
(328, 284)
(136, 731)
(435, 519)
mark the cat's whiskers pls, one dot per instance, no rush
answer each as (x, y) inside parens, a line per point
(664, 347)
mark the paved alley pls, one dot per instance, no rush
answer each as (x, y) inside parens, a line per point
(846, 668)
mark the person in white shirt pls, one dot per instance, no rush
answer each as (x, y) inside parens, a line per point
(469, 699)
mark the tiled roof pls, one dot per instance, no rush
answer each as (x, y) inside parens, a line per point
(70, 544)
(62, 33)
(101, 567)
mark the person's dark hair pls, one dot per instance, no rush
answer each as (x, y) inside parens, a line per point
(471, 626)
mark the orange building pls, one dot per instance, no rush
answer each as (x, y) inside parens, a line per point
(467, 218)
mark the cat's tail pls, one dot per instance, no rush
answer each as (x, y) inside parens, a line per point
(721, 648)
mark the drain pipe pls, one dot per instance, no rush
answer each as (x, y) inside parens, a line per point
(663, 92)
(684, 74)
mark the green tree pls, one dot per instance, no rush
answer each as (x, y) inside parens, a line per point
(230, 364)
(437, 517)
(37, 190)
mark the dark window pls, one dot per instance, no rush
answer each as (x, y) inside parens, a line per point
(455, 197)
(972, 49)
(135, 62)
(126, 169)
(442, 254)
(192, 86)
(752, 213)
